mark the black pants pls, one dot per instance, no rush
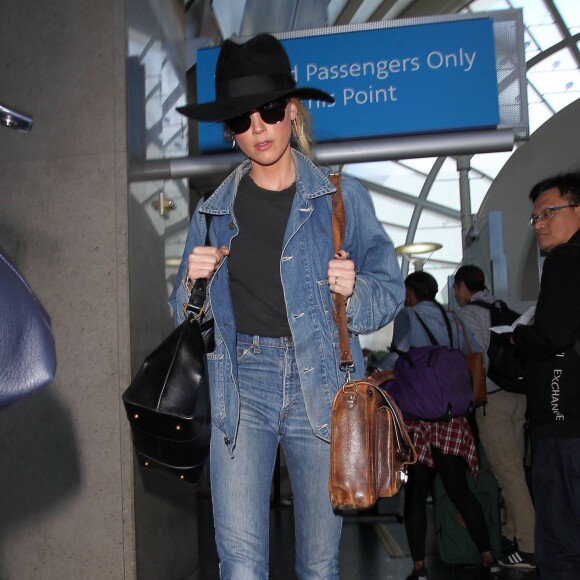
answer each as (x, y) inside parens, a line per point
(556, 485)
(452, 470)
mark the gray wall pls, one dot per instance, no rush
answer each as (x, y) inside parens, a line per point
(72, 506)
(65, 489)
(66, 509)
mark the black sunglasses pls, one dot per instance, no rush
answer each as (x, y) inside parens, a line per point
(271, 113)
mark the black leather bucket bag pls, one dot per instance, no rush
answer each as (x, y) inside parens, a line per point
(167, 402)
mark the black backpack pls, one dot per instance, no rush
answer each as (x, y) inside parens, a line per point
(506, 363)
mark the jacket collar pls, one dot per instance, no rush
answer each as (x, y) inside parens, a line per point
(575, 239)
(311, 182)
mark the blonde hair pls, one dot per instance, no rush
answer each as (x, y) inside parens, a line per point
(302, 129)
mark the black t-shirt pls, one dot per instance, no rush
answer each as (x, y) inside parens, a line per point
(254, 260)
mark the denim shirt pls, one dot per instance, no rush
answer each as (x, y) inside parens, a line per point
(307, 248)
(408, 331)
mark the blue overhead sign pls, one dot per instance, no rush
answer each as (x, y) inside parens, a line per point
(421, 78)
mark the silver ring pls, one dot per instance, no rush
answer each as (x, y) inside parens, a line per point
(336, 280)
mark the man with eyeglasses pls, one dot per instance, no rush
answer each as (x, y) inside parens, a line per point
(552, 347)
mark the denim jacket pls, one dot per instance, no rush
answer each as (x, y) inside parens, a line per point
(307, 248)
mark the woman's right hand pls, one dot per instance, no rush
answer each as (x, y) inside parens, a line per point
(204, 260)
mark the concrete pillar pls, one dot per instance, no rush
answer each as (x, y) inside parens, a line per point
(65, 456)
(71, 505)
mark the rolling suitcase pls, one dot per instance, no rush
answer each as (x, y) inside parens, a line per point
(453, 541)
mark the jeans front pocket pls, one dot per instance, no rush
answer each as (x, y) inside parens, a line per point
(216, 371)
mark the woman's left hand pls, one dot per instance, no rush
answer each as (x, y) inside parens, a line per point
(341, 274)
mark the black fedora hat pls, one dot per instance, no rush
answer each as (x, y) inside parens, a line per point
(248, 76)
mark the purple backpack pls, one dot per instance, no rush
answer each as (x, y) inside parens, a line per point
(432, 382)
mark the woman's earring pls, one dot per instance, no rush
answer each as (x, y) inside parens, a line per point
(298, 130)
(233, 141)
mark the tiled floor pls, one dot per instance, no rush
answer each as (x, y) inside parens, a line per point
(367, 552)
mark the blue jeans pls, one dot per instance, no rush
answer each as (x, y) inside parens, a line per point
(272, 412)
(556, 487)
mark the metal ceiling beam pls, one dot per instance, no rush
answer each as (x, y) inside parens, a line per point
(432, 7)
(546, 53)
(572, 45)
(411, 199)
(389, 10)
(385, 149)
(348, 12)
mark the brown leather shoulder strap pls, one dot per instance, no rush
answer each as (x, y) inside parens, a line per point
(338, 216)
(338, 229)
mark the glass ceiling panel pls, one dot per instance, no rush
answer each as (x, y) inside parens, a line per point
(388, 174)
(365, 10)
(545, 35)
(434, 227)
(538, 110)
(557, 79)
(559, 63)
(448, 170)
(397, 234)
(406, 181)
(445, 188)
(335, 7)
(446, 192)
(430, 224)
(531, 49)
(536, 12)
(421, 165)
(229, 15)
(490, 163)
(570, 12)
(390, 210)
(539, 22)
(560, 100)
(483, 5)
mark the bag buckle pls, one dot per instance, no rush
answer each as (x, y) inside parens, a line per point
(346, 369)
(193, 312)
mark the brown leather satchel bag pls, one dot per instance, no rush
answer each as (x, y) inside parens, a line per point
(370, 446)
